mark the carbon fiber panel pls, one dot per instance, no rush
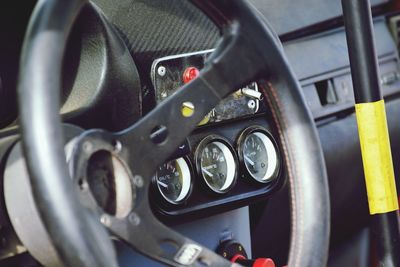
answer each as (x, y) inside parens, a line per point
(156, 28)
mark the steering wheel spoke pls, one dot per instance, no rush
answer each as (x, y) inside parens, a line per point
(155, 137)
(142, 231)
(149, 143)
(131, 219)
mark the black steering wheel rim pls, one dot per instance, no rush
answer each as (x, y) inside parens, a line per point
(76, 239)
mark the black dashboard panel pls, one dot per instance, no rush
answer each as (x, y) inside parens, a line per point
(203, 201)
(155, 28)
(327, 52)
(233, 121)
(288, 15)
(321, 63)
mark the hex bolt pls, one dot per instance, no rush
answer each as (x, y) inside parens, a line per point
(161, 71)
(117, 146)
(87, 146)
(105, 220)
(134, 218)
(138, 180)
(251, 104)
(83, 185)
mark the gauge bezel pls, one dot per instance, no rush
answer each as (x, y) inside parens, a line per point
(189, 192)
(240, 146)
(216, 139)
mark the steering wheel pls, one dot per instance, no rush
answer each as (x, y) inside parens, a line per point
(249, 50)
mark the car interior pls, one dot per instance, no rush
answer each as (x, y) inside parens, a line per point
(190, 133)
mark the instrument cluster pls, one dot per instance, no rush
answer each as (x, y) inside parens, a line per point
(231, 159)
(218, 164)
(233, 163)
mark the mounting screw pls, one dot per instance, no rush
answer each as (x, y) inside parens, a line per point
(87, 146)
(105, 220)
(138, 180)
(251, 104)
(83, 185)
(161, 71)
(117, 146)
(134, 218)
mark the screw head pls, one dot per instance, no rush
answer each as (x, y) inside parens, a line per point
(87, 146)
(251, 104)
(105, 219)
(134, 218)
(138, 180)
(161, 71)
(117, 146)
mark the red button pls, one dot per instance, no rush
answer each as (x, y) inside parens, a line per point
(190, 74)
(237, 257)
(264, 262)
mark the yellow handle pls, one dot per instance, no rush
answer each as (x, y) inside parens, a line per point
(377, 157)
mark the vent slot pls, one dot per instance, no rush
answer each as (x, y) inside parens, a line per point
(326, 92)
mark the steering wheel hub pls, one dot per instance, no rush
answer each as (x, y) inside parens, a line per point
(110, 183)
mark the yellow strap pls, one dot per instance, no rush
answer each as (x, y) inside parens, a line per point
(377, 157)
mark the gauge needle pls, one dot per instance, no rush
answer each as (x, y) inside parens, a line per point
(246, 158)
(162, 184)
(207, 172)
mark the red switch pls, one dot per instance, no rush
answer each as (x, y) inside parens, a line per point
(190, 74)
(237, 257)
(235, 252)
(260, 262)
(264, 262)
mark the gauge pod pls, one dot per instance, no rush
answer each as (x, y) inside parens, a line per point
(216, 163)
(174, 180)
(258, 154)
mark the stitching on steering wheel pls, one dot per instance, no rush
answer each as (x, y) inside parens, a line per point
(280, 121)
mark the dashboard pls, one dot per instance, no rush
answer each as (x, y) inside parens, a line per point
(227, 181)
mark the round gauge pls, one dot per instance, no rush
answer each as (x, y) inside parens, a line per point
(258, 154)
(216, 163)
(174, 180)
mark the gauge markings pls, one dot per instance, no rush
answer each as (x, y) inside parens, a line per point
(217, 166)
(259, 155)
(174, 180)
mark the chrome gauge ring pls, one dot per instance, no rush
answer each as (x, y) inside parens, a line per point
(174, 180)
(216, 163)
(258, 154)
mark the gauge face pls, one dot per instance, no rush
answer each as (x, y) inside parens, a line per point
(174, 180)
(259, 156)
(217, 166)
